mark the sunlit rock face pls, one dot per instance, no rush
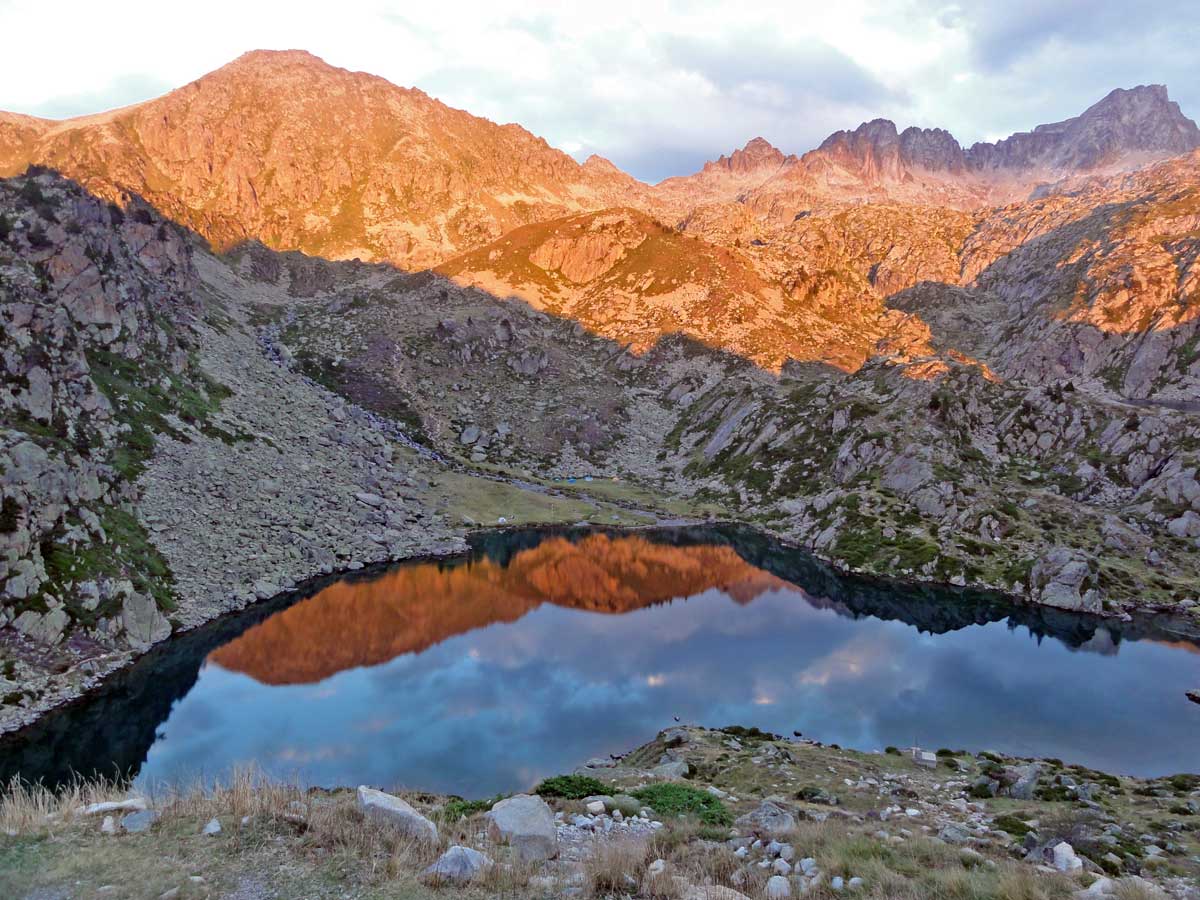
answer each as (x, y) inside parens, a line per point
(413, 608)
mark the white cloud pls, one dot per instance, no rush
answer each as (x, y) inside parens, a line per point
(656, 85)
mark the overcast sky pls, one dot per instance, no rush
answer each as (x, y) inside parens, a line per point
(656, 86)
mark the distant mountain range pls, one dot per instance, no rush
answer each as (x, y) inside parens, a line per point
(283, 148)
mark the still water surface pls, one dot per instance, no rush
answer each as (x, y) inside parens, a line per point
(542, 649)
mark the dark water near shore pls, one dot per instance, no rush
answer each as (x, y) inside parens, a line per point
(544, 648)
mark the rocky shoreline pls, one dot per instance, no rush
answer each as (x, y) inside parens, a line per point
(695, 814)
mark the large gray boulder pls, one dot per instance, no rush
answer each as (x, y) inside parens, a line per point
(144, 624)
(526, 824)
(1065, 578)
(1024, 781)
(393, 811)
(770, 819)
(46, 628)
(458, 865)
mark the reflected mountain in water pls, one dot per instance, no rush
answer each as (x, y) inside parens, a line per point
(410, 609)
(524, 601)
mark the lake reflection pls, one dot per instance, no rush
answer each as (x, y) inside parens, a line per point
(545, 649)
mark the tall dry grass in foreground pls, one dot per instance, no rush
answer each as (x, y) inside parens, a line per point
(250, 806)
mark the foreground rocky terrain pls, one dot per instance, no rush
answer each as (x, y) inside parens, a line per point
(706, 814)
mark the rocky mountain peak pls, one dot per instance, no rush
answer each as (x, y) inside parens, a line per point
(871, 150)
(758, 154)
(1133, 125)
(932, 149)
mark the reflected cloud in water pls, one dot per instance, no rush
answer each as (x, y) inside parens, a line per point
(542, 650)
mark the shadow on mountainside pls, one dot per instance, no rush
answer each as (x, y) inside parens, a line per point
(1089, 313)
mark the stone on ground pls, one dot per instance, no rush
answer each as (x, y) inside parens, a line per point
(778, 888)
(769, 819)
(393, 811)
(525, 823)
(139, 821)
(458, 865)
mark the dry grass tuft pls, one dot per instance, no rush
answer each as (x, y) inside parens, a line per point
(614, 868)
(1135, 889)
(31, 808)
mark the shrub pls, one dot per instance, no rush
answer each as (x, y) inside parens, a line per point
(457, 808)
(571, 787)
(672, 799)
(740, 731)
(1012, 825)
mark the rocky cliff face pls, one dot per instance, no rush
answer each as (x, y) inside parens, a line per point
(93, 351)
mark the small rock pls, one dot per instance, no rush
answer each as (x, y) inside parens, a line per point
(139, 821)
(778, 888)
(1065, 859)
(213, 827)
(458, 865)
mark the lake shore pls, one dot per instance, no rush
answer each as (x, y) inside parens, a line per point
(740, 813)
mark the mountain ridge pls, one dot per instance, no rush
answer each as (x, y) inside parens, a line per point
(282, 147)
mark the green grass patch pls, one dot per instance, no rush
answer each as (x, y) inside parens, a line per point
(672, 799)
(571, 787)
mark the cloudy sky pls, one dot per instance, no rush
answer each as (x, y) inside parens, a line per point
(654, 85)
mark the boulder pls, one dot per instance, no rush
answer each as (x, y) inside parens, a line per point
(133, 804)
(778, 888)
(45, 628)
(1186, 526)
(954, 834)
(1024, 781)
(458, 865)
(1064, 578)
(673, 770)
(712, 892)
(144, 624)
(393, 811)
(1064, 858)
(526, 824)
(769, 819)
